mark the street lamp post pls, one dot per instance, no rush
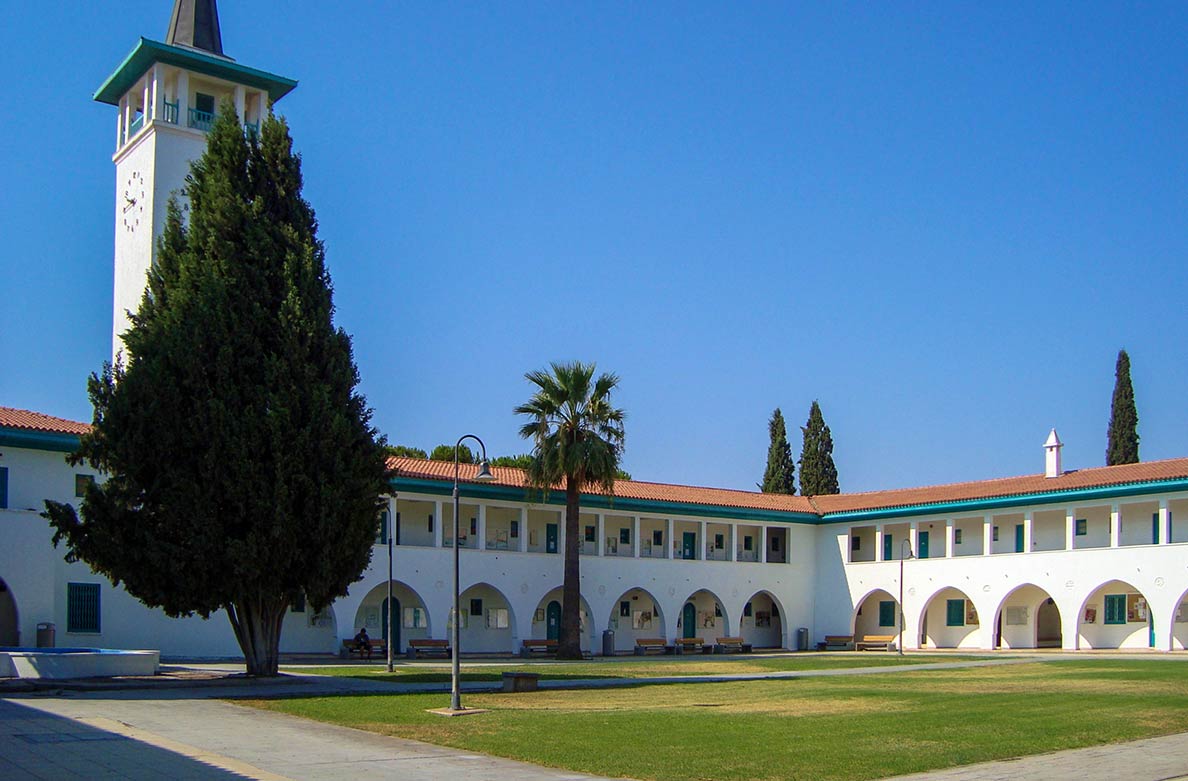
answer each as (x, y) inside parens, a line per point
(391, 534)
(484, 473)
(905, 552)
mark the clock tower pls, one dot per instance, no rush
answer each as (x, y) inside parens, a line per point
(167, 94)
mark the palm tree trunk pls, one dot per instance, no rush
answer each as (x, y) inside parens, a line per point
(570, 643)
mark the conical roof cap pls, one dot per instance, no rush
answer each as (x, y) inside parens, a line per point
(1053, 440)
(195, 23)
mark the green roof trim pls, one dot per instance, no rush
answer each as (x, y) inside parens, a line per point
(38, 440)
(999, 502)
(599, 502)
(147, 52)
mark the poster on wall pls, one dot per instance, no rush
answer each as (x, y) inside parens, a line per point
(971, 613)
(1182, 613)
(371, 617)
(641, 619)
(1016, 616)
(1136, 608)
(706, 619)
(762, 618)
(1090, 614)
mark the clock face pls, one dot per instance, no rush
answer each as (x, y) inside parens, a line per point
(134, 197)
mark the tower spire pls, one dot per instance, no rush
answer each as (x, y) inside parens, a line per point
(195, 23)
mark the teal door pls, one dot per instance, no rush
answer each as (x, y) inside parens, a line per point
(1150, 628)
(551, 538)
(1018, 538)
(888, 546)
(1154, 528)
(689, 620)
(923, 545)
(553, 621)
(395, 616)
(689, 545)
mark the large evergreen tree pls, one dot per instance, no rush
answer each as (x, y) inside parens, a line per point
(1122, 439)
(241, 466)
(818, 474)
(577, 438)
(779, 477)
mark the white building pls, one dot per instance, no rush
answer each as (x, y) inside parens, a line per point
(1086, 559)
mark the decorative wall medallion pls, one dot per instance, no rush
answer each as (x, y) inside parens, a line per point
(523, 588)
(601, 590)
(1160, 582)
(1069, 584)
(438, 584)
(912, 591)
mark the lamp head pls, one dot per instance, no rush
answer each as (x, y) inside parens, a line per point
(484, 472)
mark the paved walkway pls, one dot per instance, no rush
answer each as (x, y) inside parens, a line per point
(1152, 759)
(186, 733)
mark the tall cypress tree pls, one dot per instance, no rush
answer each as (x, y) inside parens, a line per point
(1122, 439)
(241, 467)
(779, 477)
(818, 474)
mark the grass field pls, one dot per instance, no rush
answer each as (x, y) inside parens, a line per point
(626, 667)
(847, 727)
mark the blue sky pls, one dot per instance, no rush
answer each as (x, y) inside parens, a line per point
(942, 220)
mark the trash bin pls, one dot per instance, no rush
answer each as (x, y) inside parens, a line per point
(802, 639)
(45, 635)
(608, 642)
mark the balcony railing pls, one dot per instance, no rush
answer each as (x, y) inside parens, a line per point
(201, 120)
(136, 125)
(170, 112)
(251, 129)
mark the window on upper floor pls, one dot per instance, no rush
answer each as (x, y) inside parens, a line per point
(82, 607)
(298, 605)
(3, 488)
(591, 534)
(855, 543)
(956, 536)
(1082, 527)
(204, 103)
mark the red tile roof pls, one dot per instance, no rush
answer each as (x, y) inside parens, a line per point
(36, 421)
(1098, 477)
(819, 505)
(624, 489)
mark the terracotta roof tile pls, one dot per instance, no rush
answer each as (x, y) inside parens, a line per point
(36, 421)
(624, 489)
(1098, 477)
(819, 505)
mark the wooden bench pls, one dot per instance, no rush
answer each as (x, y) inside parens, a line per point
(436, 649)
(690, 645)
(379, 648)
(731, 645)
(838, 643)
(538, 648)
(875, 643)
(650, 645)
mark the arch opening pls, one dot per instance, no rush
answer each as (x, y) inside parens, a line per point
(546, 619)
(634, 615)
(1116, 615)
(488, 622)
(409, 616)
(1179, 640)
(761, 625)
(949, 620)
(10, 624)
(703, 615)
(876, 614)
(1028, 617)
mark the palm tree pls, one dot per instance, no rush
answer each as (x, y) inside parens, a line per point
(577, 439)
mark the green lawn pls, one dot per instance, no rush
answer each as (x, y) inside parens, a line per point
(848, 727)
(625, 667)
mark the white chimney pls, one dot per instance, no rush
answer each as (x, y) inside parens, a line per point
(1052, 455)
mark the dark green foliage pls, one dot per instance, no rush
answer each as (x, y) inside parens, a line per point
(818, 475)
(446, 453)
(577, 441)
(1122, 439)
(779, 477)
(404, 451)
(522, 461)
(241, 465)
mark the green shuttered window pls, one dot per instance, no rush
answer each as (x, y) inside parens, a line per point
(82, 607)
(886, 613)
(955, 612)
(1115, 609)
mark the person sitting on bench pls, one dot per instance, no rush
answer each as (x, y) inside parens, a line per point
(363, 643)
